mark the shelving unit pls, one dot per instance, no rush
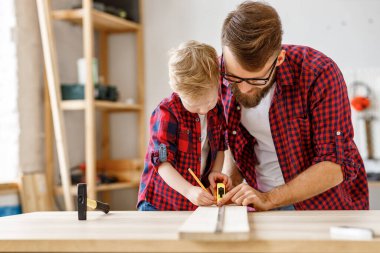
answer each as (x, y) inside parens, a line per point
(129, 170)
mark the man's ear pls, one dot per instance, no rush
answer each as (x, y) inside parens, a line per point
(281, 58)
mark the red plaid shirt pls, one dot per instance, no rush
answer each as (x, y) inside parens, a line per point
(179, 132)
(310, 120)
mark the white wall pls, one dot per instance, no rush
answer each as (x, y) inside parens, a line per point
(21, 92)
(348, 31)
(9, 123)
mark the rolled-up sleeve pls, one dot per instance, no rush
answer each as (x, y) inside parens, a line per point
(331, 122)
(163, 134)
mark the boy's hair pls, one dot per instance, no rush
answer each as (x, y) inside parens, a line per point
(253, 33)
(193, 69)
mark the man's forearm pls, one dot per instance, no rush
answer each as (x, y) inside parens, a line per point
(313, 181)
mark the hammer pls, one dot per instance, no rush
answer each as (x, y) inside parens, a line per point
(83, 202)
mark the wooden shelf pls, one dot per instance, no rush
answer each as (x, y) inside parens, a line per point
(72, 105)
(128, 172)
(374, 183)
(102, 21)
(102, 187)
(6, 188)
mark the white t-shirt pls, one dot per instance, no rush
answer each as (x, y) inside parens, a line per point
(256, 121)
(204, 142)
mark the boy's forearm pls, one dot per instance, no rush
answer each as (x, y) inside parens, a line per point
(172, 177)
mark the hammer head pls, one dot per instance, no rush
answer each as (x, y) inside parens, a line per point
(82, 201)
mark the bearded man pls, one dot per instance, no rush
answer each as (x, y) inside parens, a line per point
(288, 116)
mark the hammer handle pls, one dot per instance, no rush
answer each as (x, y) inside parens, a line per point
(97, 205)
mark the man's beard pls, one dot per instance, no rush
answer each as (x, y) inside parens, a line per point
(254, 95)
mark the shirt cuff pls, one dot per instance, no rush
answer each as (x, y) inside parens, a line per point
(157, 158)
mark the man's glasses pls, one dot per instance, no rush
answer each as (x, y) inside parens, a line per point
(252, 81)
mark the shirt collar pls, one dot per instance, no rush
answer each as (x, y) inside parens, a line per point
(285, 74)
(182, 109)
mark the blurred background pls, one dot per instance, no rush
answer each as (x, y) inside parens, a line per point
(105, 135)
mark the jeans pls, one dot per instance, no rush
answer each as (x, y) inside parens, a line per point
(146, 206)
(285, 208)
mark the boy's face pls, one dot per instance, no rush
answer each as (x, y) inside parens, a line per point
(201, 105)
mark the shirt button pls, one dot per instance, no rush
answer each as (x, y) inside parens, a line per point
(234, 132)
(338, 133)
(197, 119)
(200, 138)
(238, 108)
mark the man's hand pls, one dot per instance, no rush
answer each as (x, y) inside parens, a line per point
(245, 195)
(200, 197)
(218, 177)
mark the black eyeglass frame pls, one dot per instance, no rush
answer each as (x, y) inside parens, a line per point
(247, 80)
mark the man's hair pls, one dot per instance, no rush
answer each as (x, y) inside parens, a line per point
(253, 33)
(193, 69)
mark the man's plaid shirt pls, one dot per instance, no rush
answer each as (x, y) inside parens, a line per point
(310, 120)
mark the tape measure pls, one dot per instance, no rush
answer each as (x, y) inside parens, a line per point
(220, 191)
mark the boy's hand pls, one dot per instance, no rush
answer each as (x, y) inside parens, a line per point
(200, 197)
(218, 177)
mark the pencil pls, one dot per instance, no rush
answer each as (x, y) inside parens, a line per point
(198, 181)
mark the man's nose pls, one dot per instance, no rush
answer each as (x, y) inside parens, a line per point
(244, 87)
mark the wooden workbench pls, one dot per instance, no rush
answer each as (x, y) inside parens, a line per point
(287, 231)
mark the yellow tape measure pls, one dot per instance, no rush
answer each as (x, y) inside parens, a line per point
(220, 191)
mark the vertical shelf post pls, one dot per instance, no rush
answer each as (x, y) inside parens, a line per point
(90, 128)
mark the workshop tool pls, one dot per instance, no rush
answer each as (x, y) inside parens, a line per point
(362, 103)
(220, 220)
(351, 233)
(83, 202)
(220, 191)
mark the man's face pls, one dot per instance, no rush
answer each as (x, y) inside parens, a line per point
(246, 94)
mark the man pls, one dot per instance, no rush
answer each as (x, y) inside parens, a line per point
(289, 129)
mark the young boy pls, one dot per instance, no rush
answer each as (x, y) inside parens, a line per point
(187, 131)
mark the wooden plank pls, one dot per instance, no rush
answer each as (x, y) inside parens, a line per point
(72, 105)
(90, 127)
(102, 21)
(8, 188)
(141, 83)
(202, 223)
(105, 121)
(103, 57)
(286, 231)
(128, 170)
(103, 187)
(34, 194)
(49, 156)
(374, 183)
(50, 58)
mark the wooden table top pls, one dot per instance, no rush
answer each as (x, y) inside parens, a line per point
(127, 231)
